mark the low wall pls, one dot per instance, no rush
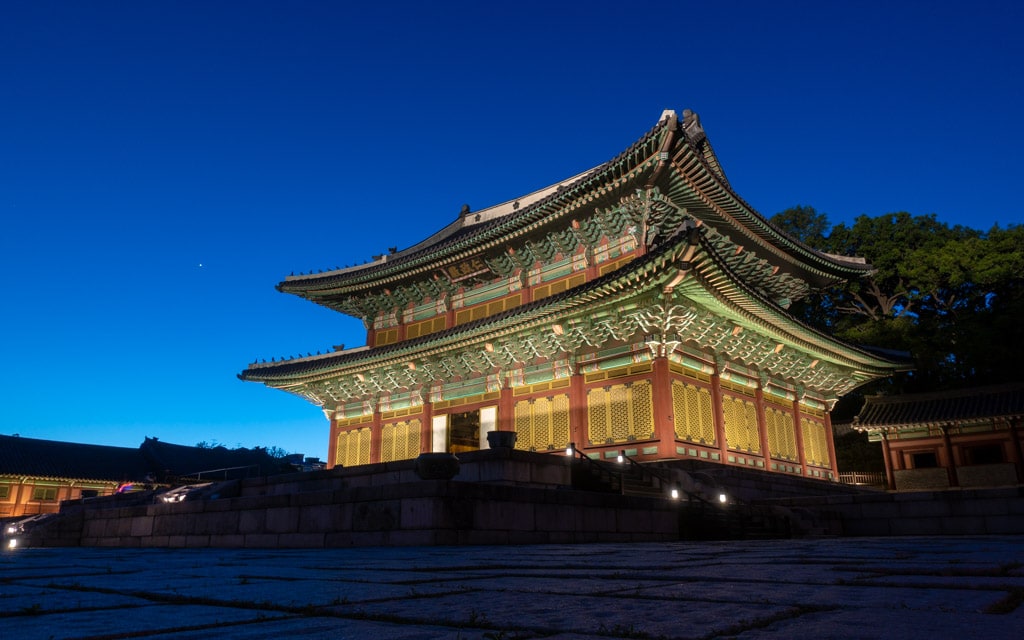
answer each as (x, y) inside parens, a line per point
(951, 512)
(498, 497)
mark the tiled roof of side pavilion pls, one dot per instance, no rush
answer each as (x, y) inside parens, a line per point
(70, 460)
(979, 404)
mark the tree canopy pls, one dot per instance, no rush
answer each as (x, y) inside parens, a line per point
(951, 296)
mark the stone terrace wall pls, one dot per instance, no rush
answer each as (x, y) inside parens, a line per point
(953, 512)
(499, 497)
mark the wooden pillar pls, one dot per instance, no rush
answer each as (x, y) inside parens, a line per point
(332, 445)
(578, 411)
(762, 428)
(375, 437)
(506, 410)
(890, 476)
(664, 427)
(716, 410)
(830, 440)
(798, 431)
(427, 428)
(1016, 455)
(947, 444)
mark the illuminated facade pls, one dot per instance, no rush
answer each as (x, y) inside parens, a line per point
(638, 306)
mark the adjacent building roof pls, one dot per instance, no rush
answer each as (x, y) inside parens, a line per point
(964, 406)
(51, 459)
(70, 460)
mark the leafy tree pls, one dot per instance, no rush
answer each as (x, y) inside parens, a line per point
(952, 296)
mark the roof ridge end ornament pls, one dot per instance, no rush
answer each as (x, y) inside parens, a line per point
(666, 145)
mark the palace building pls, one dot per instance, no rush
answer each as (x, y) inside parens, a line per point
(638, 307)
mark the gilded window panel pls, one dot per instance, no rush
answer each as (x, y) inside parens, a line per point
(400, 440)
(353, 447)
(523, 419)
(542, 423)
(692, 413)
(620, 413)
(815, 443)
(740, 424)
(781, 433)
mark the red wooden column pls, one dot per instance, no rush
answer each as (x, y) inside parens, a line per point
(664, 427)
(577, 411)
(716, 409)
(830, 440)
(1015, 449)
(427, 429)
(947, 444)
(506, 410)
(375, 437)
(890, 476)
(798, 428)
(762, 428)
(332, 444)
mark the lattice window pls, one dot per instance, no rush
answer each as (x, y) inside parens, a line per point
(620, 413)
(400, 440)
(353, 447)
(424, 327)
(692, 413)
(479, 311)
(740, 424)
(815, 442)
(542, 424)
(781, 433)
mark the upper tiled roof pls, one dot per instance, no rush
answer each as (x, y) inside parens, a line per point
(696, 182)
(980, 404)
(70, 460)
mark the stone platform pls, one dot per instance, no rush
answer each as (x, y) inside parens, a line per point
(926, 587)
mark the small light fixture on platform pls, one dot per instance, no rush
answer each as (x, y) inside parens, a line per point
(570, 448)
(723, 498)
(622, 457)
(674, 493)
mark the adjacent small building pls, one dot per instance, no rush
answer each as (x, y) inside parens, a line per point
(964, 438)
(639, 307)
(36, 475)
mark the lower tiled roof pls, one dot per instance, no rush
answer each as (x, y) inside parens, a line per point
(977, 404)
(70, 460)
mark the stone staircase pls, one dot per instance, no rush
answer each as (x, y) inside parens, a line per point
(701, 515)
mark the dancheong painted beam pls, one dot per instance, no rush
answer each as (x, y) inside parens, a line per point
(640, 306)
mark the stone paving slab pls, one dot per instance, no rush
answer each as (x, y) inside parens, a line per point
(936, 587)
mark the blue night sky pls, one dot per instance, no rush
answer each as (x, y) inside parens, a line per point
(164, 164)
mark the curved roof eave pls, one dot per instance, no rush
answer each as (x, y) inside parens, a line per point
(650, 268)
(710, 185)
(753, 306)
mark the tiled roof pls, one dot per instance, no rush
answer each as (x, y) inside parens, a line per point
(180, 460)
(70, 460)
(73, 461)
(980, 404)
